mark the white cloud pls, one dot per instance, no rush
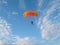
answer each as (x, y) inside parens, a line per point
(4, 28)
(5, 31)
(1, 43)
(24, 41)
(50, 30)
(7, 38)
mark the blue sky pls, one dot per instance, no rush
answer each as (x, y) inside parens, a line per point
(46, 28)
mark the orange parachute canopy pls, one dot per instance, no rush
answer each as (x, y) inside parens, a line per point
(30, 13)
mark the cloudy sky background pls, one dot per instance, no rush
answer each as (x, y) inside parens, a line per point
(17, 30)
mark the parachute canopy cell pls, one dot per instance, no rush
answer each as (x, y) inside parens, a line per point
(30, 13)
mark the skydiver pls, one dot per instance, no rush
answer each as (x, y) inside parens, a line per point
(32, 22)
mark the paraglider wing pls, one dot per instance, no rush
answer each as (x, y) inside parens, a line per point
(30, 13)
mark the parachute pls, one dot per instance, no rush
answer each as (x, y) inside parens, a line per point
(30, 13)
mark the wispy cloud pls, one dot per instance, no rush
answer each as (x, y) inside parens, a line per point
(14, 13)
(57, 44)
(23, 41)
(7, 38)
(57, 16)
(40, 2)
(22, 5)
(1, 43)
(4, 28)
(4, 31)
(49, 29)
(3, 2)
